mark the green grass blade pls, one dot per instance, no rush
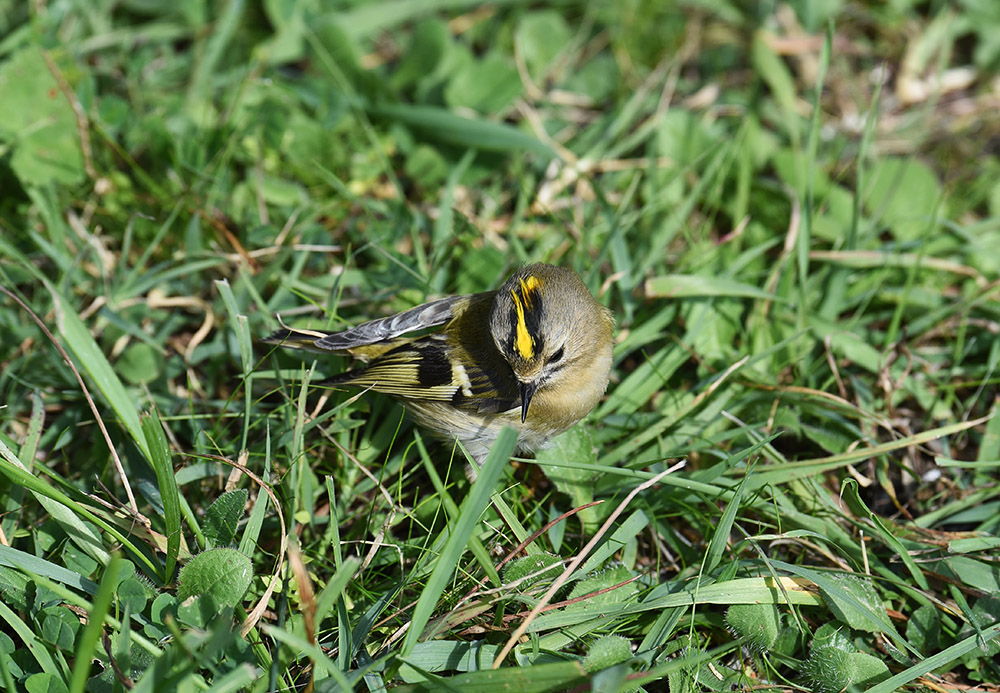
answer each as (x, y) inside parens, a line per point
(459, 533)
(34, 565)
(87, 643)
(167, 484)
(10, 467)
(463, 132)
(940, 659)
(334, 589)
(691, 286)
(93, 362)
(82, 534)
(720, 538)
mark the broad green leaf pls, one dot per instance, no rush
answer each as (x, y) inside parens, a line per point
(45, 683)
(222, 518)
(906, 194)
(541, 36)
(140, 363)
(829, 670)
(923, 629)
(541, 567)
(222, 574)
(446, 655)
(606, 652)
(536, 678)
(861, 591)
(757, 624)
(604, 580)
(574, 447)
(38, 122)
(489, 85)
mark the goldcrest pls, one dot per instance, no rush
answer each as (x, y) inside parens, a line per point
(534, 354)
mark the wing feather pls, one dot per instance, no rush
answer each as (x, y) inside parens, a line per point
(427, 315)
(384, 332)
(416, 370)
(424, 370)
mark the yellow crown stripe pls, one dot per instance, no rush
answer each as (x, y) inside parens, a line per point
(529, 285)
(523, 341)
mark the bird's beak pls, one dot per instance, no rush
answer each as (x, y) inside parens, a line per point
(527, 392)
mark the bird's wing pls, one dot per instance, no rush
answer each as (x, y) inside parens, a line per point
(427, 315)
(423, 369)
(382, 330)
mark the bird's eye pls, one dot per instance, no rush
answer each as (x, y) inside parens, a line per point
(556, 356)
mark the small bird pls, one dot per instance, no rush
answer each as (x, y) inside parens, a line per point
(534, 354)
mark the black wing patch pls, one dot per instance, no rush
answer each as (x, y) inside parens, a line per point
(433, 367)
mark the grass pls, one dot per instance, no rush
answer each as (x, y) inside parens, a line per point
(792, 210)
